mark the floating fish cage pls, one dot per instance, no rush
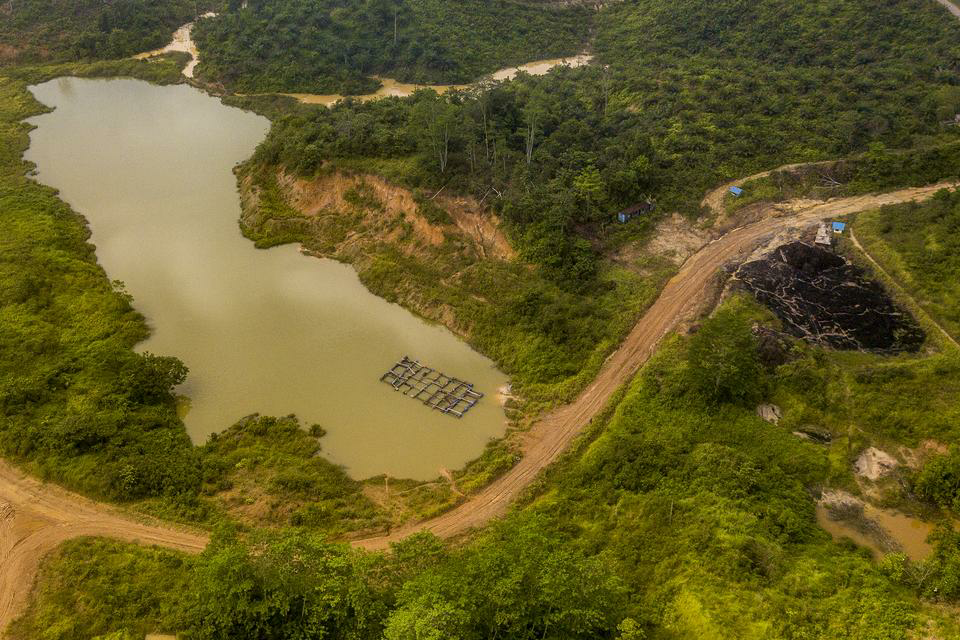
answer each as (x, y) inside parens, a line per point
(435, 389)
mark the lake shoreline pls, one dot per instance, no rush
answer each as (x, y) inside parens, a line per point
(387, 441)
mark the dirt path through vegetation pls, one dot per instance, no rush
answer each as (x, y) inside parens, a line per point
(684, 296)
(36, 517)
(952, 8)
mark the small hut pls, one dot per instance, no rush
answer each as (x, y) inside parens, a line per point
(640, 209)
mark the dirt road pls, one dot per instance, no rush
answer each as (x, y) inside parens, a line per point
(951, 7)
(36, 517)
(680, 301)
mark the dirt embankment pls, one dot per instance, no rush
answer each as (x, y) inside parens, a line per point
(36, 517)
(435, 242)
(336, 195)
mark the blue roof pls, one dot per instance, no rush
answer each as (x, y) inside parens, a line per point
(839, 226)
(736, 191)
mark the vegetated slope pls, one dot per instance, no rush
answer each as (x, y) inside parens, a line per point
(918, 245)
(334, 46)
(684, 96)
(688, 518)
(43, 30)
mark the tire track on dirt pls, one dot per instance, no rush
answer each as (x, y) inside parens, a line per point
(36, 517)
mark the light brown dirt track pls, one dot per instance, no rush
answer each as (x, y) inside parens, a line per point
(681, 299)
(36, 517)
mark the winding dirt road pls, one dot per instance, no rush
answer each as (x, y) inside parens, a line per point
(36, 517)
(681, 300)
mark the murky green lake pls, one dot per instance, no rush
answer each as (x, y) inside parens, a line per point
(270, 332)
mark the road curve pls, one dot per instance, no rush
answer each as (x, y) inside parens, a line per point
(679, 301)
(951, 7)
(36, 517)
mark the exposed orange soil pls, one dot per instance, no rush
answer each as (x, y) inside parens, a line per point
(327, 194)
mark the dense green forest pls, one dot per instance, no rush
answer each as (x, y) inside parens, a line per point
(333, 46)
(672, 107)
(45, 30)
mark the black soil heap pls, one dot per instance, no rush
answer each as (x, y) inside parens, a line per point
(822, 298)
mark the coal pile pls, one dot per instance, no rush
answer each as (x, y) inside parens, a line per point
(824, 299)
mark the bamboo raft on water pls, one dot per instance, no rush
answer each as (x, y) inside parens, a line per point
(431, 387)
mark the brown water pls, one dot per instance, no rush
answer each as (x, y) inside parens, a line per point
(910, 534)
(270, 331)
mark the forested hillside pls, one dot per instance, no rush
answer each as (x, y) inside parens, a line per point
(671, 108)
(37, 30)
(682, 97)
(333, 46)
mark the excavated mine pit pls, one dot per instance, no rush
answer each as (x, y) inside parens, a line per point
(826, 300)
